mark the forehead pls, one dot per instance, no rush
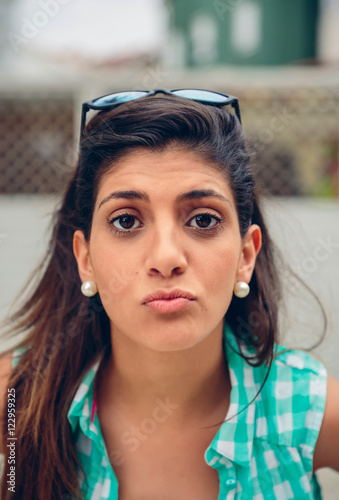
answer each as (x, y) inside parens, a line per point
(168, 171)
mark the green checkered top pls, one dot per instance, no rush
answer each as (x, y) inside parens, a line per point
(262, 451)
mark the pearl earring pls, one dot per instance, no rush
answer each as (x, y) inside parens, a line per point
(241, 289)
(89, 288)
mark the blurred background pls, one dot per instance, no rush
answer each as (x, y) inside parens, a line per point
(280, 58)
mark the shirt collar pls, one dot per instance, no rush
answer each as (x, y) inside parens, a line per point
(80, 410)
(234, 439)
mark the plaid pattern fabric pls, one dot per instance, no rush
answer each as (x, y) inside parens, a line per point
(262, 451)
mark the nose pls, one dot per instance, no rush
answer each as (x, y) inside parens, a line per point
(165, 252)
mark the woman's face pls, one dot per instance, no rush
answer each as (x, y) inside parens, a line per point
(165, 221)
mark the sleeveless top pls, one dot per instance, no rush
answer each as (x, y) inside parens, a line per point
(264, 450)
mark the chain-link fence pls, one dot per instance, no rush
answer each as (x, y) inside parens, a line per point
(35, 133)
(294, 132)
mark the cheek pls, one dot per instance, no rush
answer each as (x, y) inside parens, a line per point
(220, 274)
(221, 264)
(216, 275)
(114, 272)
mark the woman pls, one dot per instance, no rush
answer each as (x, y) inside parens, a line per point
(151, 368)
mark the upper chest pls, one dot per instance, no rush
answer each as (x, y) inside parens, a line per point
(155, 463)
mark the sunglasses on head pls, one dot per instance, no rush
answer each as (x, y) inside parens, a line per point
(110, 101)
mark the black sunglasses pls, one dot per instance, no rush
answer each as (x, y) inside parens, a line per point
(110, 101)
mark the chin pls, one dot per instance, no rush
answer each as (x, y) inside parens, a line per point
(164, 335)
(172, 339)
(175, 346)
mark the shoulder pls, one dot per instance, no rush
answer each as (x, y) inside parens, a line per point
(6, 361)
(293, 370)
(296, 373)
(292, 401)
(300, 362)
(326, 450)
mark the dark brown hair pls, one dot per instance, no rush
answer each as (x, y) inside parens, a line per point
(67, 332)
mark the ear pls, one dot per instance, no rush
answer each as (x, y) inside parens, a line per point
(82, 256)
(251, 245)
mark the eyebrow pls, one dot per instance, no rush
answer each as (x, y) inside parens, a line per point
(195, 194)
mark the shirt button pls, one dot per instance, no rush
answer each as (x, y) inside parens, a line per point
(229, 482)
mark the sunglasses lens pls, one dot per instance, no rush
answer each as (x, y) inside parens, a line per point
(118, 98)
(201, 95)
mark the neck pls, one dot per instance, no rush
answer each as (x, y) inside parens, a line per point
(194, 382)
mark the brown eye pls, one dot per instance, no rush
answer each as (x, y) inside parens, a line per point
(204, 220)
(125, 221)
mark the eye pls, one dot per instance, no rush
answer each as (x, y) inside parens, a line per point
(203, 221)
(125, 222)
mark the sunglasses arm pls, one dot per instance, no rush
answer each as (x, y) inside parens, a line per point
(85, 108)
(235, 105)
